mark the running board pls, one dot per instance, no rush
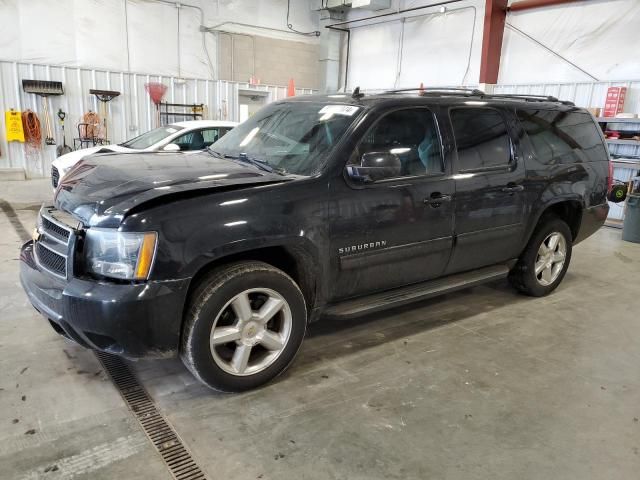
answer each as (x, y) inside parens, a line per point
(412, 293)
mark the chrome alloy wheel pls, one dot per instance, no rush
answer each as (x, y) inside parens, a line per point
(550, 259)
(251, 331)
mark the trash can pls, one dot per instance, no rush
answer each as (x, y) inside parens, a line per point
(631, 225)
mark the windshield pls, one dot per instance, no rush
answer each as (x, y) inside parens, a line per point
(288, 137)
(151, 137)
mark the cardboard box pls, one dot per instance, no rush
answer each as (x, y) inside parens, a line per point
(614, 103)
(595, 111)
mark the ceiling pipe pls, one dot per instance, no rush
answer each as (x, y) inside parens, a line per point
(529, 4)
(397, 12)
(346, 66)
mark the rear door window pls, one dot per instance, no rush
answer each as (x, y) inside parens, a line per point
(562, 137)
(482, 139)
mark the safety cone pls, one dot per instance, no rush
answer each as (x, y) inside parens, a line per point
(291, 89)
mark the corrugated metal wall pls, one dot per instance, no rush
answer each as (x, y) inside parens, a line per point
(587, 94)
(129, 114)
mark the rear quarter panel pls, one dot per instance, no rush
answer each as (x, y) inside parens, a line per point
(548, 183)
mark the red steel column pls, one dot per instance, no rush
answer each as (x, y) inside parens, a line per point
(494, 17)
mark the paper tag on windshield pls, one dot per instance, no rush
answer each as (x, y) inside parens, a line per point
(339, 109)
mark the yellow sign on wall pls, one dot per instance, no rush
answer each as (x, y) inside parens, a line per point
(13, 121)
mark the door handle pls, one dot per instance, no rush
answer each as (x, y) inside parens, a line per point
(510, 188)
(436, 199)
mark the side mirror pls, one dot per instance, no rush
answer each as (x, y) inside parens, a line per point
(171, 147)
(375, 166)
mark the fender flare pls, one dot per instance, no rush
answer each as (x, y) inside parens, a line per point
(304, 253)
(539, 212)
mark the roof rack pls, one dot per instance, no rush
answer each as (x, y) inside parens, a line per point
(530, 98)
(472, 92)
(439, 90)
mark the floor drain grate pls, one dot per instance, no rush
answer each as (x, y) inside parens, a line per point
(161, 434)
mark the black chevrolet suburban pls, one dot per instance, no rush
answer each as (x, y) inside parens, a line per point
(333, 205)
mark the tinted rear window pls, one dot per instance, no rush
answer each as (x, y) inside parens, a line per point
(563, 137)
(481, 137)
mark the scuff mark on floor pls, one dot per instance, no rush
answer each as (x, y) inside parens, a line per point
(91, 459)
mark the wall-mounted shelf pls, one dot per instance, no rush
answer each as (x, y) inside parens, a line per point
(617, 141)
(617, 120)
(626, 162)
(253, 92)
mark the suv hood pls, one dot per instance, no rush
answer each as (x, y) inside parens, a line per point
(101, 190)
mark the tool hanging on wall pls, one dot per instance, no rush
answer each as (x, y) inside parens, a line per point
(104, 97)
(32, 130)
(89, 129)
(44, 89)
(156, 91)
(64, 148)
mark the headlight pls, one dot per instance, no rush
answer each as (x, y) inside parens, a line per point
(123, 255)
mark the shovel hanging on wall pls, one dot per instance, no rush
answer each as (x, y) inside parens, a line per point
(44, 89)
(64, 148)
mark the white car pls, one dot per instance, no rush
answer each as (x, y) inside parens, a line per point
(180, 136)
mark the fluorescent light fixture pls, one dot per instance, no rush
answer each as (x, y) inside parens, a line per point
(234, 202)
(249, 137)
(463, 176)
(233, 224)
(213, 177)
(475, 102)
(398, 151)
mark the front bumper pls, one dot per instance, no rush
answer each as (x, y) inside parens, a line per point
(132, 320)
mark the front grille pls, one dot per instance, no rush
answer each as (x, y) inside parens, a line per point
(55, 230)
(50, 260)
(55, 176)
(55, 240)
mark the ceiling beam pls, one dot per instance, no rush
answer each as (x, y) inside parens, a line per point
(529, 4)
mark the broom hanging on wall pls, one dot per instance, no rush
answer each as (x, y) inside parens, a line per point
(44, 88)
(156, 91)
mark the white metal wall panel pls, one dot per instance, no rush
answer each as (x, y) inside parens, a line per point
(583, 94)
(598, 37)
(374, 54)
(129, 114)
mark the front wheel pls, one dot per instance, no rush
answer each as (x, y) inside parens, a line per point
(545, 260)
(245, 324)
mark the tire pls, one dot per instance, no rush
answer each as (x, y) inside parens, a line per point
(524, 276)
(254, 315)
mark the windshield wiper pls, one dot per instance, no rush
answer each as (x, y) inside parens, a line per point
(256, 162)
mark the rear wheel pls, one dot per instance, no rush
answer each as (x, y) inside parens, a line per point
(245, 324)
(545, 260)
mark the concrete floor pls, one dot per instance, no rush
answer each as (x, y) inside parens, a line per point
(479, 384)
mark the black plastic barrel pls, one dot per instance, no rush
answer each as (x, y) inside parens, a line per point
(631, 225)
